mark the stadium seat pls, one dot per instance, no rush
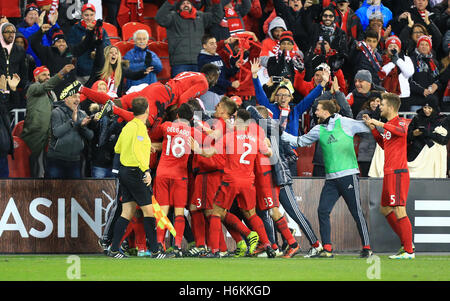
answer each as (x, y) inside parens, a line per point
(130, 28)
(19, 167)
(162, 51)
(113, 33)
(161, 33)
(304, 162)
(150, 10)
(17, 130)
(124, 46)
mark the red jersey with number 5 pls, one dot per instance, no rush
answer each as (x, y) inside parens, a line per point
(175, 148)
(394, 143)
(240, 154)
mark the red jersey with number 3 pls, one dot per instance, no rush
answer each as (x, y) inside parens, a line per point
(394, 143)
(240, 154)
(175, 148)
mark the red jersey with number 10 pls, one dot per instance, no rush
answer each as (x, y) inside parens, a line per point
(394, 143)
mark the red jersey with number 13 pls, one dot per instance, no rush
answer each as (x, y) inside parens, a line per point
(394, 143)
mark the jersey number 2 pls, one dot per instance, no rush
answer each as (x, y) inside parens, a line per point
(248, 148)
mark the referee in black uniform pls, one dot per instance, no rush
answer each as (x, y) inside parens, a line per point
(133, 146)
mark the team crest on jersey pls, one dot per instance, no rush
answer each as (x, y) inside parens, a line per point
(140, 138)
(387, 135)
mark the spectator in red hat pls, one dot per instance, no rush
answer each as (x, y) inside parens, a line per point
(398, 68)
(425, 81)
(78, 32)
(40, 102)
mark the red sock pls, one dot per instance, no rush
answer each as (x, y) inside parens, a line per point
(215, 227)
(284, 229)
(275, 246)
(126, 115)
(404, 224)
(160, 235)
(393, 222)
(232, 221)
(236, 235)
(179, 225)
(327, 247)
(258, 226)
(198, 227)
(139, 234)
(316, 244)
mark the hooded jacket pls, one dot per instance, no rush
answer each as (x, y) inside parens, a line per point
(270, 46)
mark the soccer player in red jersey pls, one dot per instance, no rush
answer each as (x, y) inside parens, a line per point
(239, 151)
(171, 182)
(396, 173)
(160, 96)
(209, 175)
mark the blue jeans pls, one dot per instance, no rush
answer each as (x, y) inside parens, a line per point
(101, 172)
(175, 69)
(61, 169)
(4, 167)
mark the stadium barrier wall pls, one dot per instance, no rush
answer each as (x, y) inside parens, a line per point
(67, 216)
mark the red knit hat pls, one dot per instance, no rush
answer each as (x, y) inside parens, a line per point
(426, 39)
(287, 36)
(393, 40)
(39, 70)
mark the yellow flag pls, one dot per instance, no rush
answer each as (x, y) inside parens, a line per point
(161, 218)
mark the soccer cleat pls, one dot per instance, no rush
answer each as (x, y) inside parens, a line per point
(270, 252)
(175, 252)
(226, 254)
(142, 253)
(323, 254)
(365, 253)
(161, 254)
(285, 244)
(104, 244)
(402, 249)
(252, 239)
(291, 252)
(259, 249)
(241, 249)
(211, 255)
(314, 251)
(116, 254)
(404, 255)
(107, 109)
(194, 251)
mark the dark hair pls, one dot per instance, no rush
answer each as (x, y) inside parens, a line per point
(369, 33)
(206, 37)
(366, 105)
(185, 111)
(243, 114)
(210, 69)
(139, 105)
(193, 102)
(392, 99)
(330, 105)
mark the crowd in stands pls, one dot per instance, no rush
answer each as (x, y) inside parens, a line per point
(364, 47)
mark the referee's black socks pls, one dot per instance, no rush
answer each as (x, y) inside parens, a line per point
(150, 233)
(119, 231)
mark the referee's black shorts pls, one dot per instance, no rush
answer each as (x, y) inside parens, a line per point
(133, 188)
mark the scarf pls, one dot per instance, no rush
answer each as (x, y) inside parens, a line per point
(425, 63)
(328, 30)
(390, 82)
(189, 15)
(422, 13)
(232, 21)
(370, 55)
(327, 55)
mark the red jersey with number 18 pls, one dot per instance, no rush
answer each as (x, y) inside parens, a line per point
(394, 144)
(175, 148)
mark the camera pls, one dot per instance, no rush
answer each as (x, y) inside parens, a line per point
(277, 79)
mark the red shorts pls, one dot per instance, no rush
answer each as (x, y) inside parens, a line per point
(206, 186)
(245, 196)
(267, 194)
(395, 189)
(171, 192)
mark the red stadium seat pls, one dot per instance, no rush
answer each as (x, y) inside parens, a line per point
(162, 51)
(161, 33)
(20, 166)
(124, 46)
(17, 130)
(113, 33)
(304, 162)
(130, 28)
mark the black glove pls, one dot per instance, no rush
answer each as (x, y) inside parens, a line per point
(148, 59)
(394, 57)
(298, 64)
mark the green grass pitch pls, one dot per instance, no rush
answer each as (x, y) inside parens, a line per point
(341, 268)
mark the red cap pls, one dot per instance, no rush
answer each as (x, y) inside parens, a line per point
(39, 70)
(393, 40)
(236, 99)
(426, 39)
(88, 6)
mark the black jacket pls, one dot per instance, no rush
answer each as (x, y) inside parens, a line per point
(16, 63)
(427, 126)
(6, 140)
